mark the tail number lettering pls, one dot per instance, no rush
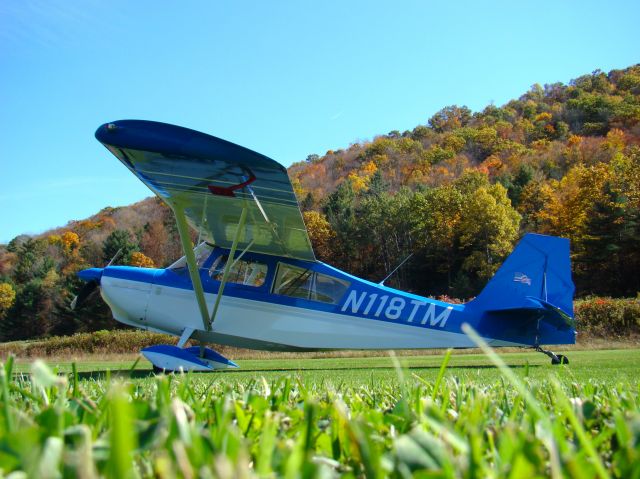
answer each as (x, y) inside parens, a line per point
(375, 305)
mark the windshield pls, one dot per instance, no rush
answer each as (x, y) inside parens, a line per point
(202, 252)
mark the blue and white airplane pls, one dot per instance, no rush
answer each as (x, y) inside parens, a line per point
(254, 282)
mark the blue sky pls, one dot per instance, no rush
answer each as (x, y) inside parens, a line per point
(284, 78)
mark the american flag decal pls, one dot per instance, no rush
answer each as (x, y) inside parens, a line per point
(522, 278)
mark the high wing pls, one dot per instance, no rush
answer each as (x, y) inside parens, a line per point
(211, 181)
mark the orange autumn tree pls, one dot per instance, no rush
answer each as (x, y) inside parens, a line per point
(320, 233)
(141, 260)
(70, 241)
(566, 212)
(7, 297)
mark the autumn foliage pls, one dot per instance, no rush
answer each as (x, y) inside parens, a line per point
(320, 232)
(566, 156)
(7, 297)
(140, 260)
(456, 193)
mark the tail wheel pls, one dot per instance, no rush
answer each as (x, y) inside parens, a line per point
(560, 359)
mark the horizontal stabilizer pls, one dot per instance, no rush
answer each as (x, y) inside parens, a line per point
(538, 309)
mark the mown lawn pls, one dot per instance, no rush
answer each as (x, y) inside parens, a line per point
(603, 365)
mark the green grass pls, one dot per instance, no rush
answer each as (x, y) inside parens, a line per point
(355, 417)
(604, 365)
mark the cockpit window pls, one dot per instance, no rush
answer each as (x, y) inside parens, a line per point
(249, 273)
(329, 289)
(306, 284)
(293, 281)
(202, 252)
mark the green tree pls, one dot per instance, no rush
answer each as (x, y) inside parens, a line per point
(488, 229)
(339, 209)
(33, 260)
(421, 133)
(16, 242)
(611, 249)
(435, 217)
(394, 134)
(450, 118)
(24, 320)
(116, 241)
(590, 113)
(463, 230)
(481, 142)
(374, 234)
(517, 182)
(609, 257)
(377, 185)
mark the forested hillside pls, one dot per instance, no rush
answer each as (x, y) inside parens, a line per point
(457, 192)
(460, 190)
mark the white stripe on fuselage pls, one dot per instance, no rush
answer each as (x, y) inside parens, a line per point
(173, 309)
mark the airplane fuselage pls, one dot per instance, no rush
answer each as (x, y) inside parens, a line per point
(273, 303)
(273, 295)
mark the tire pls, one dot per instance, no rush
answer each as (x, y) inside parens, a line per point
(561, 359)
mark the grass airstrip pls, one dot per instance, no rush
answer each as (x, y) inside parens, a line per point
(457, 415)
(604, 365)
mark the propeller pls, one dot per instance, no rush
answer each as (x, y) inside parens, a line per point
(87, 290)
(92, 276)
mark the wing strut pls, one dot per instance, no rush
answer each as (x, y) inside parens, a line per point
(228, 264)
(187, 247)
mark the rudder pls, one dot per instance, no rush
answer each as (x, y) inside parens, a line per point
(539, 267)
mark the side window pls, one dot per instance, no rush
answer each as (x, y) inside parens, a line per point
(249, 273)
(306, 284)
(329, 289)
(292, 281)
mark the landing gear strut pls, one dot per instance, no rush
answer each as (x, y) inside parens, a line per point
(555, 358)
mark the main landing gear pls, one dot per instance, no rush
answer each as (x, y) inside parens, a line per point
(555, 358)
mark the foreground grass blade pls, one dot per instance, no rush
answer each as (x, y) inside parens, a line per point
(585, 441)
(121, 436)
(443, 368)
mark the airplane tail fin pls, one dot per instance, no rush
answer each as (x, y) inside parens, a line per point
(535, 277)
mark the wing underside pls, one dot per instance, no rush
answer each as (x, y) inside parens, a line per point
(212, 181)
